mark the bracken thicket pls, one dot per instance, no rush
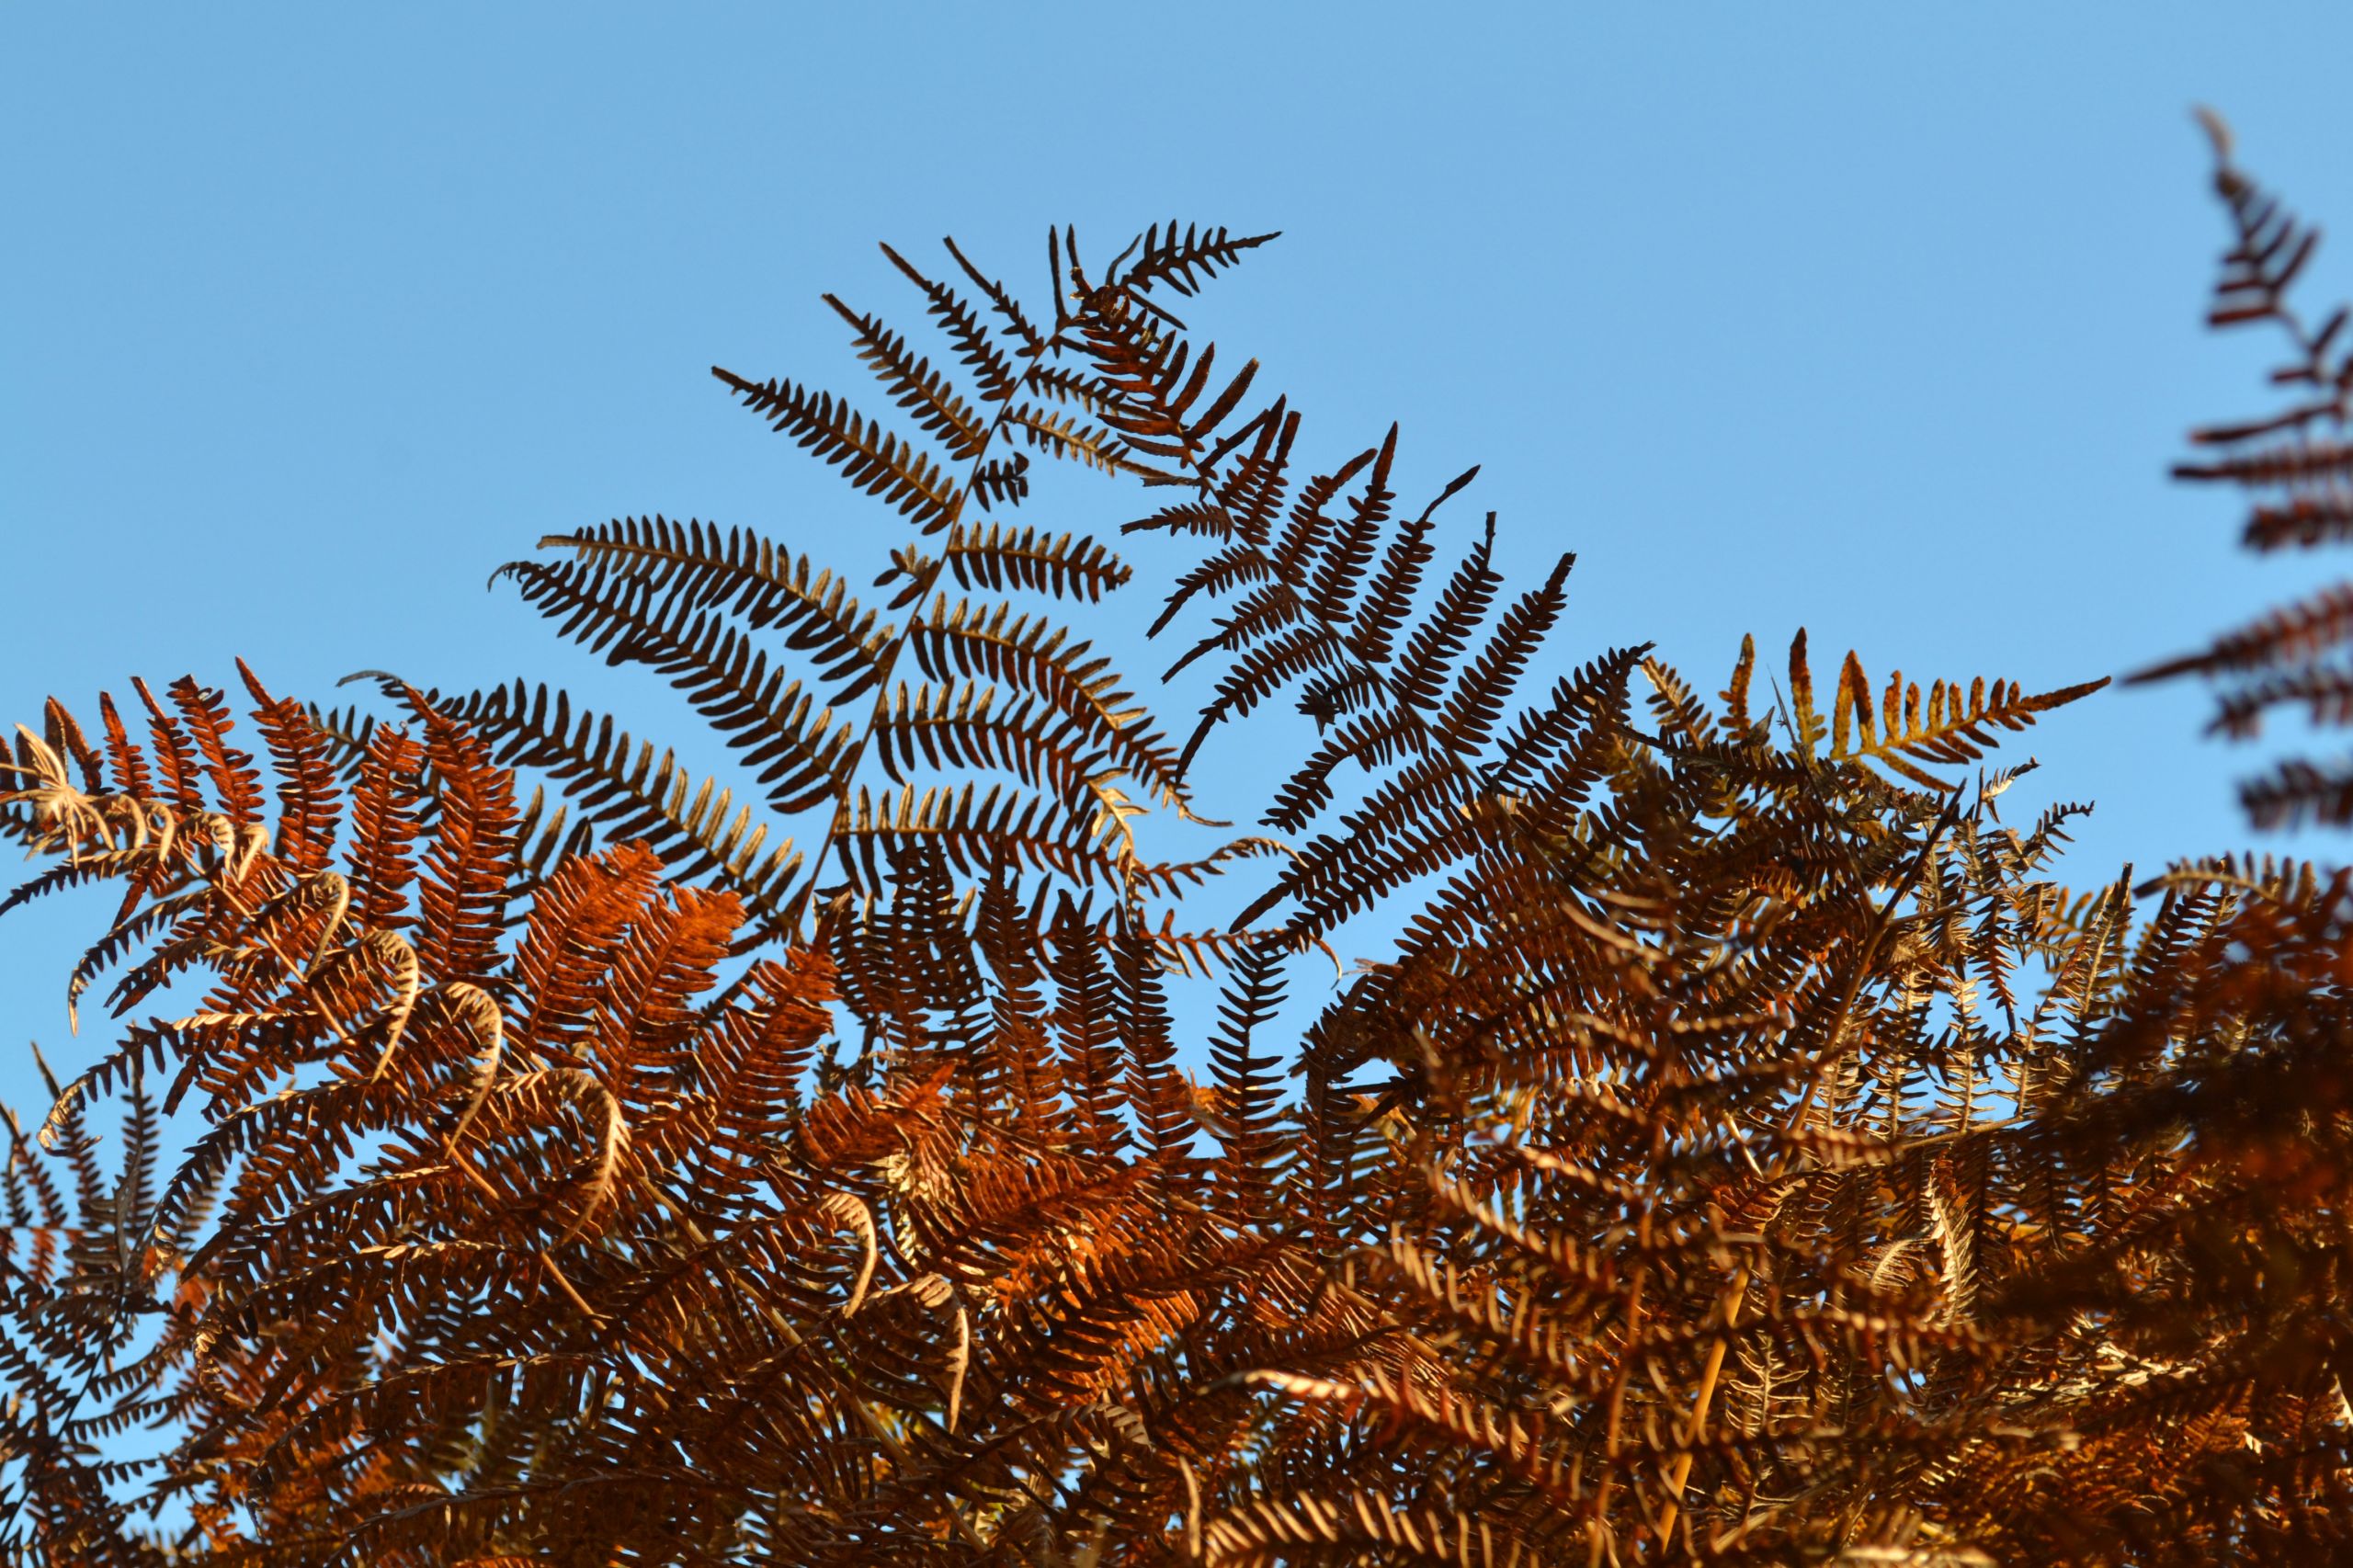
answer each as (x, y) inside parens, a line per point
(1750, 1150)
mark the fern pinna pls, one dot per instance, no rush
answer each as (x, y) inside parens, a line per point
(1749, 1150)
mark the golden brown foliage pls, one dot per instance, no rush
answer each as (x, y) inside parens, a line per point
(1748, 1152)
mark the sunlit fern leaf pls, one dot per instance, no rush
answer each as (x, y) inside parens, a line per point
(1066, 436)
(1157, 385)
(779, 729)
(1001, 482)
(127, 770)
(174, 759)
(1349, 555)
(1954, 726)
(960, 725)
(1460, 605)
(1488, 682)
(973, 341)
(464, 874)
(1181, 261)
(1677, 714)
(968, 640)
(870, 458)
(90, 868)
(387, 811)
(234, 781)
(942, 414)
(64, 735)
(1000, 557)
(966, 823)
(140, 927)
(608, 596)
(310, 804)
(1017, 320)
(623, 791)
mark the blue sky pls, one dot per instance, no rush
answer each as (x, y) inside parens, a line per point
(1879, 320)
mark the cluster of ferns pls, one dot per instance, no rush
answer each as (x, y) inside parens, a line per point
(1748, 1152)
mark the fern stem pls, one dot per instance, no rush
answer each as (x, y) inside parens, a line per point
(1680, 1472)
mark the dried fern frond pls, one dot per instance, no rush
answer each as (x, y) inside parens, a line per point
(1746, 1150)
(2292, 464)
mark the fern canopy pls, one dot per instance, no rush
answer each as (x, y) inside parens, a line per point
(1748, 1152)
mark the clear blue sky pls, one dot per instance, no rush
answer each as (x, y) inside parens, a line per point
(1881, 319)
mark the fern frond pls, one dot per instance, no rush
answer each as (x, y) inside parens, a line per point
(870, 458)
(1462, 604)
(2297, 791)
(624, 791)
(1399, 579)
(609, 600)
(964, 328)
(960, 727)
(1000, 558)
(1069, 438)
(1182, 261)
(916, 386)
(1476, 706)
(2319, 625)
(970, 827)
(962, 640)
(1952, 728)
